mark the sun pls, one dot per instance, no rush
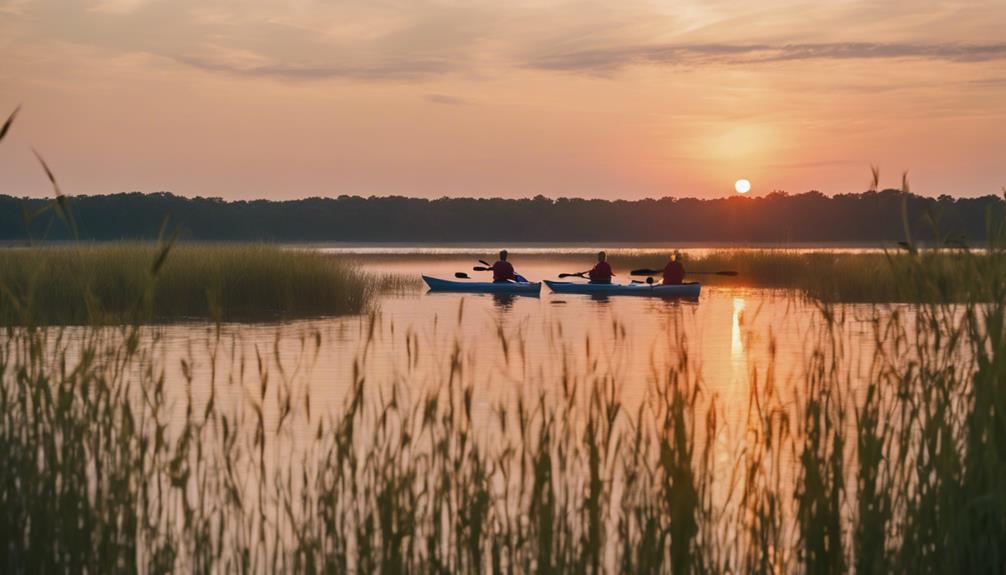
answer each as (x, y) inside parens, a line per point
(742, 186)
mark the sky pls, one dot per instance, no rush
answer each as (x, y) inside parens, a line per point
(510, 98)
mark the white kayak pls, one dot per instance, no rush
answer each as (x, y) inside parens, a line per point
(686, 290)
(526, 288)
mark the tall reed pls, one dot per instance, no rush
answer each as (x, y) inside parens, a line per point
(88, 284)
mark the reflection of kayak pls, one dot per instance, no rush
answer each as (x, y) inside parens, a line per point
(681, 290)
(482, 287)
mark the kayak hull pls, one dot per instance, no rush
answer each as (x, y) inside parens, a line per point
(529, 288)
(687, 290)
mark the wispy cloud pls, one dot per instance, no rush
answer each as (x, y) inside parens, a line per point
(611, 59)
(999, 82)
(117, 6)
(446, 100)
(389, 70)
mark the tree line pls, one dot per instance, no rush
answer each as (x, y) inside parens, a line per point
(874, 216)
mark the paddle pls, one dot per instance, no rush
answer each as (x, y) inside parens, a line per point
(649, 272)
(520, 278)
(576, 275)
(462, 276)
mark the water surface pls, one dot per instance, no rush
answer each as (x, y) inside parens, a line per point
(732, 335)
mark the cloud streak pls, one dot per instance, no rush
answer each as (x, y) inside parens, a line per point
(612, 59)
(446, 100)
(390, 70)
(609, 60)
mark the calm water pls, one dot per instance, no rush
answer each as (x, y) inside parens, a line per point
(509, 345)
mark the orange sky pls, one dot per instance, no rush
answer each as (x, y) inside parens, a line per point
(508, 98)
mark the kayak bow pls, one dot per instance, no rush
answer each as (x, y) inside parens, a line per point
(527, 288)
(687, 290)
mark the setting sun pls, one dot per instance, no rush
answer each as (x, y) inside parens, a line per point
(742, 186)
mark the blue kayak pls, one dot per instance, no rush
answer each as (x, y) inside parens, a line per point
(688, 290)
(527, 288)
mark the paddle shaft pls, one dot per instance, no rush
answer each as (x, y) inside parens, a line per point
(720, 273)
(519, 278)
(649, 272)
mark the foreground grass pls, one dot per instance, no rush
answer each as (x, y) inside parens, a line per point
(904, 472)
(86, 284)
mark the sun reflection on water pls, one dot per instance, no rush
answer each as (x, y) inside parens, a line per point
(737, 355)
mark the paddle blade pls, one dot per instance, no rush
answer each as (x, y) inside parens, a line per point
(645, 272)
(482, 269)
(726, 273)
(462, 276)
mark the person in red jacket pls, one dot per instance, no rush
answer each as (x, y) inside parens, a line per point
(601, 273)
(674, 272)
(502, 270)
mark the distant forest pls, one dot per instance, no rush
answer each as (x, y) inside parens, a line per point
(777, 217)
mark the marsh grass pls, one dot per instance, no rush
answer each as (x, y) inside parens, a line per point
(951, 274)
(107, 284)
(899, 471)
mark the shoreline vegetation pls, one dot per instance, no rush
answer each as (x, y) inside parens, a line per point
(105, 284)
(82, 283)
(778, 217)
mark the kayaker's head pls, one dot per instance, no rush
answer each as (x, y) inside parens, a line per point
(503, 255)
(675, 256)
(601, 256)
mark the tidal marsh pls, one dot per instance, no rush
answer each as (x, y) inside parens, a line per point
(117, 462)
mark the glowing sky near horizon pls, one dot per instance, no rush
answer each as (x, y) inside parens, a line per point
(279, 100)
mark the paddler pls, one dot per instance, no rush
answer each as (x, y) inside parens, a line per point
(674, 271)
(601, 272)
(502, 270)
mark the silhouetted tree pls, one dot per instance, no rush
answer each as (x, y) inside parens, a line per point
(776, 217)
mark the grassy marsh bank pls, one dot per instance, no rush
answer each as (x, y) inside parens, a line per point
(894, 276)
(111, 283)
